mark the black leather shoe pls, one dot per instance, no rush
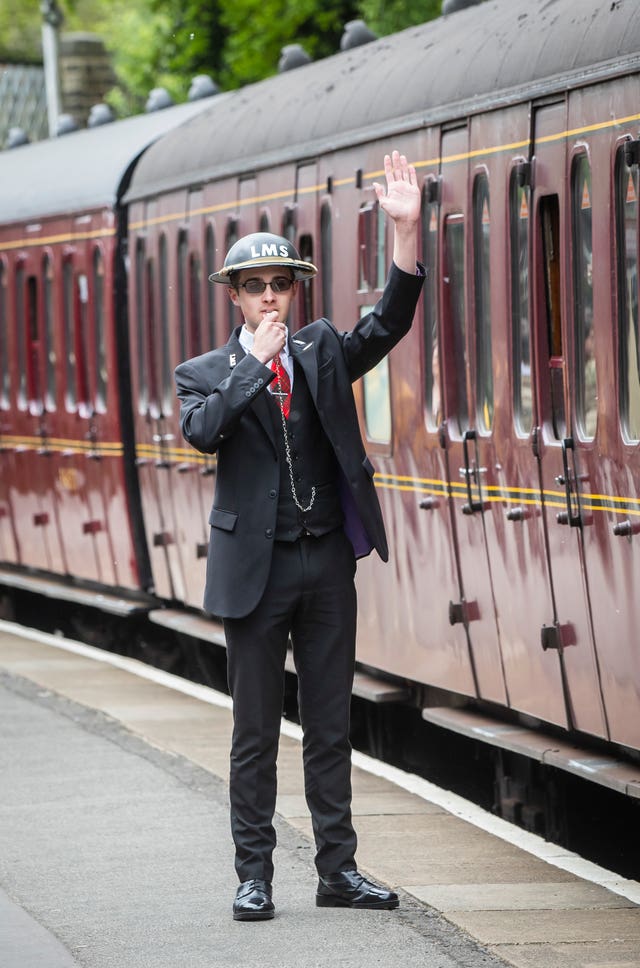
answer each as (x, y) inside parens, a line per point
(350, 889)
(253, 901)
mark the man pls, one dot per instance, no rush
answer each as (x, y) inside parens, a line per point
(294, 507)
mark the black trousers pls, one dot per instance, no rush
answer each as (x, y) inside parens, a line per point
(311, 596)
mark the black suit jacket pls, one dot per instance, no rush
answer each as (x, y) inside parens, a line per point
(224, 410)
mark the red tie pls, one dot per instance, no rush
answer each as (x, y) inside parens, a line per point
(282, 392)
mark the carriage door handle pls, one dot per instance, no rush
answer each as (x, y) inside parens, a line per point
(570, 516)
(468, 472)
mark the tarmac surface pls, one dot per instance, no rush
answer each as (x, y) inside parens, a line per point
(115, 849)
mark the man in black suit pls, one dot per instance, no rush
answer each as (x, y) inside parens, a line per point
(294, 506)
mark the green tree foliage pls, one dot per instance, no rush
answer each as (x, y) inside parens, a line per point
(388, 16)
(167, 42)
(155, 43)
(20, 32)
(258, 30)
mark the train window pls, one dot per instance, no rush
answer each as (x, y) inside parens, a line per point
(210, 255)
(550, 238)
(49, 334)
(326, 258)
(305, 288)
(143, 373)
(381, 248)
(76, 298)
(372, 255)
(627, 188)
(289, 224)
(5, 369)
(520, 319)
(20, 329)
(264, 223)
(482, 293)
(34, 346)
(289, 232)
(71, 395)
(377, 399)
(100, 334)
(165, 341)
(151, 343)
(231, 237)
(81, 304)
(586, 383)
(183, 305)
(430, 310)
(195, 307)
(454, 292)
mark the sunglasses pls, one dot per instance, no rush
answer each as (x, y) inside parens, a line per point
(256, 287)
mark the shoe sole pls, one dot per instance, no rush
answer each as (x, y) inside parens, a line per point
(327, 900)
(253, 915)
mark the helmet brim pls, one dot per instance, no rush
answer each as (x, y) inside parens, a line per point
(301, 270)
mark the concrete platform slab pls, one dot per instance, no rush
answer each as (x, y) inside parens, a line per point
(550, 927)
(518, 897)
(616, 954)
(449, 850)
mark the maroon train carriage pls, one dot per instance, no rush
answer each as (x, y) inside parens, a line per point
(68, 492)
(505, 428)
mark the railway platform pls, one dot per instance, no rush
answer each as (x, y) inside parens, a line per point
(115, 847)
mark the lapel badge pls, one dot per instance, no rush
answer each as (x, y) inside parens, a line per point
(232, 359)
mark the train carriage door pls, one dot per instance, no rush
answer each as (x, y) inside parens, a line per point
(36, 511)
(102, 433)
(571, 632)
(612, 531)
(9, 546)
(307, 191)
(144, 387)
(465, 423)
(182, 471)
(514, 519)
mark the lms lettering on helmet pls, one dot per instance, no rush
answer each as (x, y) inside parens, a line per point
(269, 249)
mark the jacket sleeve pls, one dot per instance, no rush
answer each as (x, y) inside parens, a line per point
(377, 332)
(213, 400)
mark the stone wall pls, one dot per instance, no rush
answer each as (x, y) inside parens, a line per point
(85, 74)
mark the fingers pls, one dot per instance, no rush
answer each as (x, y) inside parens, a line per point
(396, 169)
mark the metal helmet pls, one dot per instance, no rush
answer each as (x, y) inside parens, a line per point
(259, 250)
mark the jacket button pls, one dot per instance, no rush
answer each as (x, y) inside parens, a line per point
(272, 493)
(268, 533)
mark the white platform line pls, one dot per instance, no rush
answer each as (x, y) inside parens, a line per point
(551, 853)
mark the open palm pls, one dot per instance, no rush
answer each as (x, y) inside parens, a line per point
(402, 199)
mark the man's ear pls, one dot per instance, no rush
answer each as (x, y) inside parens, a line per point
(233, 295)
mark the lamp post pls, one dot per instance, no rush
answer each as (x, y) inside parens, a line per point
(52, 18)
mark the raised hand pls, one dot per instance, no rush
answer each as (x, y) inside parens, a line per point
(402, 199)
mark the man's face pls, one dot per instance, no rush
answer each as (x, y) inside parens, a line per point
(255, 305)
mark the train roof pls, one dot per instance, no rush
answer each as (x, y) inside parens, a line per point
(498, 52)
(82, 170)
